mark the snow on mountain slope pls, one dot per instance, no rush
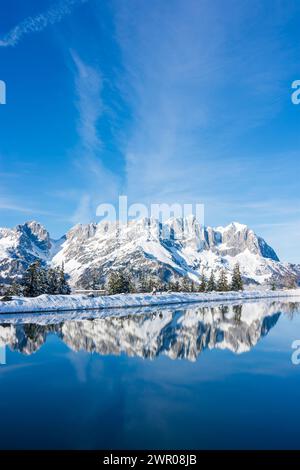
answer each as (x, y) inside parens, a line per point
(23, 245)
(146, 247)
(167, 251)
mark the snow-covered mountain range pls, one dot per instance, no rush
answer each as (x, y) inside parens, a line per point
(180, 247)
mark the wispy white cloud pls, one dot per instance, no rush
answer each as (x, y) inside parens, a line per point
(197, 80)
(88, 87)
(202, 83)
(8, 205)
(83, 212)
(98, 182)
(39, 22)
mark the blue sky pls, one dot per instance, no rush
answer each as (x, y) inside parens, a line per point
(165, 101)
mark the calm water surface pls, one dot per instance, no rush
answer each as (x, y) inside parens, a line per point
(199, 378)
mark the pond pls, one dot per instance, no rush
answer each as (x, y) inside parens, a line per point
(199, 377)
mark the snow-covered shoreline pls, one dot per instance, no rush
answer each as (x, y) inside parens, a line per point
(63, 303)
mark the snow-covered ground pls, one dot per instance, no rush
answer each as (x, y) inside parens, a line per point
(57, 303)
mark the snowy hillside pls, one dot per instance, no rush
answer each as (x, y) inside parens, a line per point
(23, 245)
(180, 247)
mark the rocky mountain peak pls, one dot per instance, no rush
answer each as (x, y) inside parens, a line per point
(36, 230)
(146, 247)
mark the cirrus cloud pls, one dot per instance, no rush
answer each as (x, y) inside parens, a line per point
(39, 22)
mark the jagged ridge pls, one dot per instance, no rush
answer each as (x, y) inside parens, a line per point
(180, 247)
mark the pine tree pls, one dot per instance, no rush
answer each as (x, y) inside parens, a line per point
(94, 283)
(38, 280)
(52, 282)
(237, 282)
(202, 286)
(177, 286)
(15, 289)
(162, 287)
(151, 285)
(63, 285)
(211, 285)
(223, 282)
(42, 281)
(143, 284)
(186, 285)
(170, 286)
(31, 280)
(119, 283)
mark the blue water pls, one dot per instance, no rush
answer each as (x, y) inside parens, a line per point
(164, 379)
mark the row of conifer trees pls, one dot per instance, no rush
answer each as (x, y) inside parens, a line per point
(121, 282)
(38, 280)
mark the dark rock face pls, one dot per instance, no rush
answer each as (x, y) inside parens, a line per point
(266, 250)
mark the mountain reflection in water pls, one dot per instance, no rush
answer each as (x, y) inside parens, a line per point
(176, 333)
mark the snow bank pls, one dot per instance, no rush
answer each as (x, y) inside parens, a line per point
(59, 303)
